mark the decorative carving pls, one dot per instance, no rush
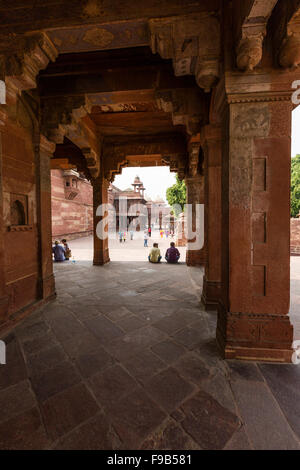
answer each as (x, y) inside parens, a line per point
(193, 42)
(188, 108)
(32, 54)
(99, 37)
(92, 161)
(289, 56)
(249, 52)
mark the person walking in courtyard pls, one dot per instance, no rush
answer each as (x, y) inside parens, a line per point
(68, 252)
(154, 255)
(59, 251)
(146, 238)
(131, 234)
(120, 236)
(149, 231)
(172, 254)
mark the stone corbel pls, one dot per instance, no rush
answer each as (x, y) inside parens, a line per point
(187, 108)
(92, 161)
(192, 42)
(61, 116)
(289, 56)
(250, 47)
(30, 55)
(176, 165)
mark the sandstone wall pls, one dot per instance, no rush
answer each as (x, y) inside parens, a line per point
(71, 218)
(21, 268)
(295, 237)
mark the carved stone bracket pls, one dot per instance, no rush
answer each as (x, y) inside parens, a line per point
(249, 49)
(251, 31)
(188, 108)
(289, 56)
(61, 116)
(92, 161)
(30, 55)
(193, 42)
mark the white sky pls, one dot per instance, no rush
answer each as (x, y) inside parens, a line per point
(157, 179)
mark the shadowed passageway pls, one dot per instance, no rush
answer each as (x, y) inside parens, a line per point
(124, 358)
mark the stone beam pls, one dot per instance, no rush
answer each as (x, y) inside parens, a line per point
(193, 42)
(28, 15)
(106, 82)
(250, 21)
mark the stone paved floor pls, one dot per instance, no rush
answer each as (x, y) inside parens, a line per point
(126, 359)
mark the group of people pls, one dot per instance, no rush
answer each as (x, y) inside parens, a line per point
(123, 236)
(61, 250)
(172, 254)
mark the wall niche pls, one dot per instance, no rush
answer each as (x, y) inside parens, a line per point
(19, 213)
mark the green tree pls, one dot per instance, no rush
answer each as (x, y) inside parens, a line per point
(295, 186)
(176, 196)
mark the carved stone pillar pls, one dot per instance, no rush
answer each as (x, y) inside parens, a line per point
(194, 196)
(43, 152)
(3, 295)
(100, 198)
(212, 147)
(253, 320)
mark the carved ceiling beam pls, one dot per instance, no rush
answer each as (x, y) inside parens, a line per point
(30, 54)
(193, 42)
(251, 22)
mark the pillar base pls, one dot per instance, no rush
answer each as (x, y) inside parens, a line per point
(101, 260)
(211, 294)
(254, 337)
(195, 257)
(47, 287)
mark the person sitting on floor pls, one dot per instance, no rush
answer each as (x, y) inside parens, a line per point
(59, 251)
(68, 252)
(172, 254)
(154, 255)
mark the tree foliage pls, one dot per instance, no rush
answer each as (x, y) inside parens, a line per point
(295, 186)
(176, 196)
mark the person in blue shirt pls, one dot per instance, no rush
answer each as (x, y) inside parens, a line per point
(59, 251)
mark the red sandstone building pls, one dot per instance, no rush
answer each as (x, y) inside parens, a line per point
(203, 87)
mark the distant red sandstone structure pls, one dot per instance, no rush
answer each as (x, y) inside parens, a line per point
(295, 236)
(72, 205)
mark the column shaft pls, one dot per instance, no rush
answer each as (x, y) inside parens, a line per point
(195, 195)
(212, 147)
(43, 152)
(100, 197)
(253, 320)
